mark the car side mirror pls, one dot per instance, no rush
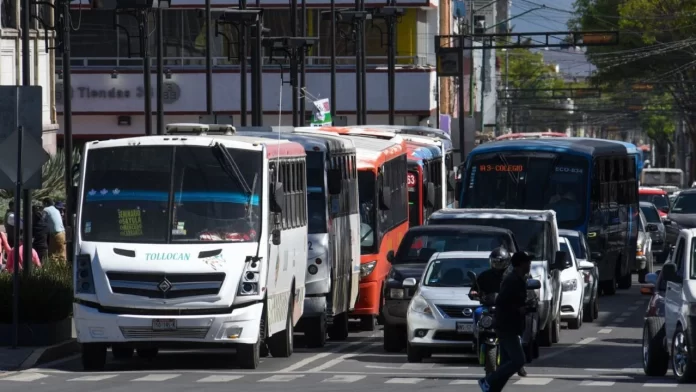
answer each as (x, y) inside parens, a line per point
(596, 256)
(533, 284)
(409, 283)
(430, 194)
(334, 181)
(451, 182)
(669, 272)
(651, 278)
(390, 256)
(277, 198)
(275, 237)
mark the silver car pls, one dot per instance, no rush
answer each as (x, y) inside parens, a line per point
(589, 271)
(656, 228)
(644, 255)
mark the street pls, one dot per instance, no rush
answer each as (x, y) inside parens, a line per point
(604, 354)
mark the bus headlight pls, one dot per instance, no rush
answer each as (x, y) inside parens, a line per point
(367, 268)
(249, 284)
(83, 275)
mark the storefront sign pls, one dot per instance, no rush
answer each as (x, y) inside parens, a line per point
(171, 93)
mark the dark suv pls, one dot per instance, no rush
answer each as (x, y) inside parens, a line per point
(414, 252)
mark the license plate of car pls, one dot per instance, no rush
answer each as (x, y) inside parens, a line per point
(164, 325)
(465, 328)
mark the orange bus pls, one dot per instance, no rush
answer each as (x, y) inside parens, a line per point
(383, 200)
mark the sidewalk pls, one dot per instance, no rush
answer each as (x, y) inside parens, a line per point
(27, 357)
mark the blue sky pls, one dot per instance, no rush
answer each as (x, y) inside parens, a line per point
(570, 62)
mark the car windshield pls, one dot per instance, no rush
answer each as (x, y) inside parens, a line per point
(660, 201)
(577, 247)
(419, 247)
(685, 203)
(316, 195)
(366, 197)
(539, 181)
(453, 272)
(651, 215)
(157, 194)
(566, 249)
(529, 235)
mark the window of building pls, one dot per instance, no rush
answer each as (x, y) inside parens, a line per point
(8, 18)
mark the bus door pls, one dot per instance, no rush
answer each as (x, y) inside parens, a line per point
(414, 182)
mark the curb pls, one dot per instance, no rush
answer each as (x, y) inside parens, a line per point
(50, 354)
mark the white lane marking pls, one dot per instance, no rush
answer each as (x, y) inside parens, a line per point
(25, 377)
(604, 330)
(599, 370)
(282, 378)
(620, 320)
(564, 350)
(464, 382)
(417, 366)
(157, 377)
(342, 358)
(534, 381)
(94, 378)
(345, 378)
(597, 383)
(319, 356)
(407, 380)
(626, 314)
(219, 378)
(659, 385)
(632, 308)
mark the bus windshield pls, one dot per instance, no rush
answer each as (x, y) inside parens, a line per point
(366, 197)
(157, 194)
(661, 178)
(536, 181)
(316, 195)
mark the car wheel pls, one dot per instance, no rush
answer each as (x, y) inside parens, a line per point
(394, 339)
(575, 323)
(556, 335)
(655, 357)
(315, 332)
(93, 356)
(413, 354)
(682, 364)
(641, 275)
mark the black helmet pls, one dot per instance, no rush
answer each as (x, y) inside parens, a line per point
(499, 258)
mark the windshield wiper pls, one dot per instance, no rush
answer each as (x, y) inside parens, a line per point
(229, 166)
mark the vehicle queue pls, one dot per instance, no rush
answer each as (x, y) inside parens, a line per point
(317, 218)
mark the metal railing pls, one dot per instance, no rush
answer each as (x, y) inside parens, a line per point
(174, 63)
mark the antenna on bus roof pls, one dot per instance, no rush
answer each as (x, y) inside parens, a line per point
(200, 129)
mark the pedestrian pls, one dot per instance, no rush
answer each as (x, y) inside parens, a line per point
(9, 223)
(510, 312)
(56, 244)
(40, 233)
(11, 258)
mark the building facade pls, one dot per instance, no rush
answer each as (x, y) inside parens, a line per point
(107, 77)
(42, 60)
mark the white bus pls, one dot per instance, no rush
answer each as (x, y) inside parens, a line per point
(199, 236)
(333, 264)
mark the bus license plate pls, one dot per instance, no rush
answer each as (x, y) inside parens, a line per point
(164, 325)
(465, 328)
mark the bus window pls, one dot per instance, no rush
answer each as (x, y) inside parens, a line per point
(366, 192)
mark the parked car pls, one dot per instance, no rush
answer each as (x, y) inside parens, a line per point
(644, 255)
(589, 271)
(411, 258)
(573, 286)
(656, 228)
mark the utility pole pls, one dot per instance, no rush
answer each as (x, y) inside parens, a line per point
(243, 72)
(208, 59)
(363, 65)
(333, 102)
(26, 81)
(293, 67)
(303, 71)
(160, 71)
(144, 27)
(390, 15)
(70, 207)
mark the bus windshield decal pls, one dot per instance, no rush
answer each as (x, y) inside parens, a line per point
(220, 197)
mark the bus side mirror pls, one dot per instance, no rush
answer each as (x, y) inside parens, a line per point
(76, 173)
(277, 198)
(334, 181)
(385, 198)
(430, 194)
(275, 237)
(451, 182)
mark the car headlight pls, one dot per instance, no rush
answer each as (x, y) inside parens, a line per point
(486, 321)
(396, 293)
(367, 268)
(569, 285)
(420, 305)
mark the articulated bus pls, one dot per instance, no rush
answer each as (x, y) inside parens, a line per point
(333, 263)
(590, 183)
(199, 236)
(383, 215)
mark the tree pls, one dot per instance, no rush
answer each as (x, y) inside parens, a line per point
(658, 123)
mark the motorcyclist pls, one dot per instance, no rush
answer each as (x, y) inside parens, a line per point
(489, 281)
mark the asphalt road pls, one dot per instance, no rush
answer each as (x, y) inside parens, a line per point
(605, 354)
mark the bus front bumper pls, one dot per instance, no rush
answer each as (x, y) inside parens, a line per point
(369, 296)
(241, 326)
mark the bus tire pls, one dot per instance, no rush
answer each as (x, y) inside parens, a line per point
(93, 356)
(280, 345)
(608, 286)
(315, 332)
(546, 335)
(147, 353)
(249, 355)
(121, 352)
(339, 329)
(626, 281)
(367, 323)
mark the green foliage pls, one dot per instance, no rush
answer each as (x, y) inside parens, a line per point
(44, 296)
(658, 126)
(527, 70)
(53, 178)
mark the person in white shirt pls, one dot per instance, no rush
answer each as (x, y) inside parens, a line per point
(56, 242)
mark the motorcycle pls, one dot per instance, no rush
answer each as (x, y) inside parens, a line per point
(484, 327)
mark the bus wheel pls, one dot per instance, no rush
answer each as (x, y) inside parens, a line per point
(315, 332)
(121, 351)
(147, 353)
(367, 323)
(609, 286)
(626, 281)
(249, 355)
(93, 356)
(280, 345)
(339, 328)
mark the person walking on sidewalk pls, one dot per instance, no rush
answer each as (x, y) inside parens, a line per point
(510, 312)
(56, 242)
(40, 233)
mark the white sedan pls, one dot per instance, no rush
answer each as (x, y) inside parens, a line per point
(440, 316)
(573, 289)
